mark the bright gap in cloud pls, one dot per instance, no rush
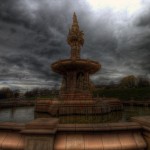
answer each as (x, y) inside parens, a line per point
(130, 6)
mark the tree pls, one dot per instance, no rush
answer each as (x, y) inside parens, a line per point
(6, 93)
(143, 82)
(16, 93)
(129, 81)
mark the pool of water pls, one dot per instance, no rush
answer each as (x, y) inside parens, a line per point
(18, 114)
(26, 114)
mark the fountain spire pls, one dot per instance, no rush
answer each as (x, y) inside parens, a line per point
(75, 26)
(75, 38)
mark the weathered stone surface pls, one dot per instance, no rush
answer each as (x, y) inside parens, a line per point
(107, 136)
(93, 142)
(39, 143)
(143, 120)
(145, 123)
(110, 141)
(39, 134)
(60, 142)
(100, 127)
(74, 141)
(99, 141)
(11, 140)
(43, 123)
(12, 125)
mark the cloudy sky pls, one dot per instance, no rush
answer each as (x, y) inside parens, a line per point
(33, 35)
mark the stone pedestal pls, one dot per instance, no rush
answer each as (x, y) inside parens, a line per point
(145, 122)
(77, 107)
(40, 133)
(107, 136)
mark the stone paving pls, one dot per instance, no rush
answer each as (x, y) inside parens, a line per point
(102, 141)
(48, 134)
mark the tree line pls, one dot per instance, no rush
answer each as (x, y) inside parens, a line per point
(7, 93)
(41, 93)
(129, 88)
(128, 82)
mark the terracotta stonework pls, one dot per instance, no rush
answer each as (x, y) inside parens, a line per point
(48, 134)
(76, 84)
(76, 89)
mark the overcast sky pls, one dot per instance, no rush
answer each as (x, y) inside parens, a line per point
(33, 35)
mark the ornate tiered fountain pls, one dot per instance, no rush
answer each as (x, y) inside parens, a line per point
(75, 98)
(76, 89)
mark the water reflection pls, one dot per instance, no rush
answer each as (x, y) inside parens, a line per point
(26, 114)
(18, 114)
(116, 116)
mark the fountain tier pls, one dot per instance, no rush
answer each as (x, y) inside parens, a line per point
(77, 88)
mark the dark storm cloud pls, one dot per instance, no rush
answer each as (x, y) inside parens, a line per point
(28, 44)
(33, 35)
(143, 19)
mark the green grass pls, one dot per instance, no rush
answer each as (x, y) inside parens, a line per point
(124, 94)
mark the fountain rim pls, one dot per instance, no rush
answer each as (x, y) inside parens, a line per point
(63, 66)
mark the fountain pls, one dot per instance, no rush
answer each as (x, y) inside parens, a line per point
(76, 89)
(76, 98)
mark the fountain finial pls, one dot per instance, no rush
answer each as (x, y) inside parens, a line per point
(75, 38)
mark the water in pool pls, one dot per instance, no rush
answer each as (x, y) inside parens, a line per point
(26, 114)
